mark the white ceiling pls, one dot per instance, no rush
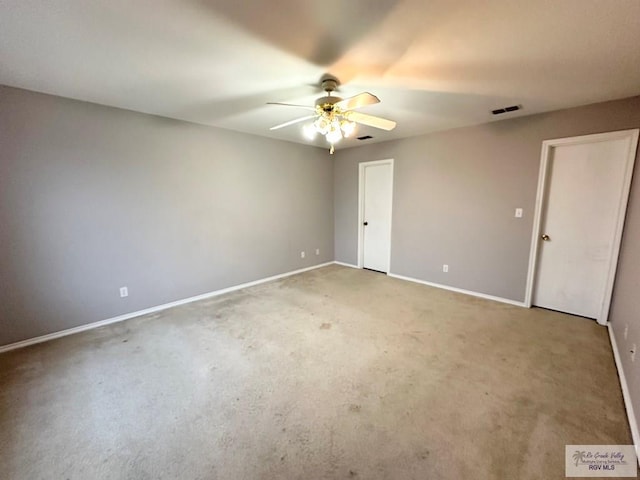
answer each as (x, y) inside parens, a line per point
(434, 64)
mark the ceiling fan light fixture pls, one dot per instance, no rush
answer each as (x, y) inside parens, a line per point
(333, 126)
(334, 135)
(309, 131)
(347, 128)
(322, 125)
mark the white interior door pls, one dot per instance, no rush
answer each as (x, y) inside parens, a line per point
(580, 224)
(376, 194)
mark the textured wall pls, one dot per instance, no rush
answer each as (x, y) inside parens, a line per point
(454, 198)
(94, 198)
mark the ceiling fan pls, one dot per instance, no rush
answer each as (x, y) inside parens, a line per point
(334, 117)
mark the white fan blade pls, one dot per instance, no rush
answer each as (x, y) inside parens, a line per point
(370, 120)
(291, 122)
(292, 105)
(358, 101)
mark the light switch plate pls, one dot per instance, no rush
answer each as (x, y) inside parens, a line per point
(518, 213)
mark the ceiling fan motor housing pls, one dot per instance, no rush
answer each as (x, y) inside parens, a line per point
(329, 85)
(326, 103)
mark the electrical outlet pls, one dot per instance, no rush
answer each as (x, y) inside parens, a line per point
(302, 254)
(633, 353)
(518, 213)
(626, 331)
(317, 251)
(445, 268)
(124, 292)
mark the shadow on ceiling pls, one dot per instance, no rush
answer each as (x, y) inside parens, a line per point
(318, 32)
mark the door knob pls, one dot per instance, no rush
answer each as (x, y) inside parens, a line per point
(366, 223)
(545, 237)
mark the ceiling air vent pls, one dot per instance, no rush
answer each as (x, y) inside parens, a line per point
(500, 111)
(365, 137)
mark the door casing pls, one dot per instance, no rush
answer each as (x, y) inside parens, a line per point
(547, 147)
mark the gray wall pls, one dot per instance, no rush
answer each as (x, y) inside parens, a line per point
(454, 198)
(93, 198)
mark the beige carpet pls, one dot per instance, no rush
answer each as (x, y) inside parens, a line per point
(334, 373)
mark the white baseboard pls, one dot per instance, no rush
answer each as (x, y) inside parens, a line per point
(350, 265)
(626, 395)
(459, 290)
(146, 311)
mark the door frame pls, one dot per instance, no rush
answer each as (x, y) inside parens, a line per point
(632, 137)
(361, 168)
